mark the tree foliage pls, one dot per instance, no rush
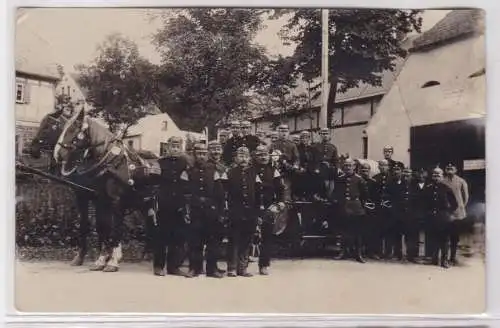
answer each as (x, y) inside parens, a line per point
(209, 63)
(119, 83)
(363, 43)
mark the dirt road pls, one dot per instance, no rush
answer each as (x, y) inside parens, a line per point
(312, 286)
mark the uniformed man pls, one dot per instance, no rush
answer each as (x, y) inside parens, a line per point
(204, 200)
(350, 196)
(170, 230)
(223, 136)
(404, 222)
(215, 158)
(388, 153)
(372, 240)
(248, 139)
(304, 183)
(442, 203)
(325, 161)
(260, 134)
(241, 188)
(289, 161)
(383, 204)
(420, 210)
(270, 198)
(233, 143)
(458, 217)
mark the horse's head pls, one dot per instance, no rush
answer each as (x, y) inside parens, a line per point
(47, 134)
(72, 144)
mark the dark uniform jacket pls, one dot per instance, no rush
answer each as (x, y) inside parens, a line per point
(383, 188)
(419, 202)
(250, 141)
(289, 151)
(171, 193)
(350, 195)
(440, 200)
(306, 156)
(203, 187)
(230, 149)
(241, 189)
(325, 158)
(372, 189)
(402, 196)
(270, 190)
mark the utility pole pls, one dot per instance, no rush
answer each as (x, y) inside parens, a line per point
(323, 118)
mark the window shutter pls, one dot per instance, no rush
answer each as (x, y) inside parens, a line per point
(27, 92)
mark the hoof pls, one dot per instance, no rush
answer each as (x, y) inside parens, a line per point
(110, 268)
(77, 261)
(94, 267)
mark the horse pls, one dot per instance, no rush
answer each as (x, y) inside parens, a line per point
(111, 193)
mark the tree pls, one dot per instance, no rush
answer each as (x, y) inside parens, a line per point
(363, 43)
(209, 64)
(120, 84)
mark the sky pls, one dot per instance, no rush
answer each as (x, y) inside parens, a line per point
(72, 34)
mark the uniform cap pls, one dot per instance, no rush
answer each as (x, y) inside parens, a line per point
(261, 150)
(214, 144)
(235, 123)
(273, 133)
(365, 165)
(245, 124)
(243, 151)
(223, 132)
(388, 148)
(283, 127)
(398, 166)
(437, 170)
(407, 170)
(305, 134)
(175, 140)
(324, 130)
(450, 166)
(349, 161)
(295, 137)
(199, 146)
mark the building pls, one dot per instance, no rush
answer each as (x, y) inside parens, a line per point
(35, 89)
(152, 132)
(435, 111)
(70, 87)
(350, 116)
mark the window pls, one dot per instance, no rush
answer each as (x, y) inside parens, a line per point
(131, 144)
(20, 93)
(163, 149)
(430, 84)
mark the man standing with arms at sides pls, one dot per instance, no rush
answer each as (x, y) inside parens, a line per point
(215, 158)
(461, 192)
(270, 198)
(350, 196)
(289, 161)
(326, 160)
(398, 188)
(204, 202)
(248, 139)
(372, 239)
(442, 204)
(383, 202)
(420, 212)
(233, 143)
(388, 152)
(242, 191)
(170, 228)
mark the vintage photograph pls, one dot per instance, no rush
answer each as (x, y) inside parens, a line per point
(246, 160)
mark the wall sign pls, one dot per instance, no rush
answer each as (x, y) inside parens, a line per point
(474, 164)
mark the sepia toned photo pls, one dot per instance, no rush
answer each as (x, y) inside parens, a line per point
(232, 160)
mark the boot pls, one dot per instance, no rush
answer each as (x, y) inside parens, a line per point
(232, 273)
(264, 271)
(159, 272)
(244, 273)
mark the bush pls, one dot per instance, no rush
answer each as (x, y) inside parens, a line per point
(47, 223)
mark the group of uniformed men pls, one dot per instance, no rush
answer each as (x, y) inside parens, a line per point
(241, 182)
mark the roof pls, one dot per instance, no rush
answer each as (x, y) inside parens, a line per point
(33, 54)
(455, 24)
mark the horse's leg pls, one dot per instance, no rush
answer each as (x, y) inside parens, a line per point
(103, 227)
(116, 193)
(82, 203)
